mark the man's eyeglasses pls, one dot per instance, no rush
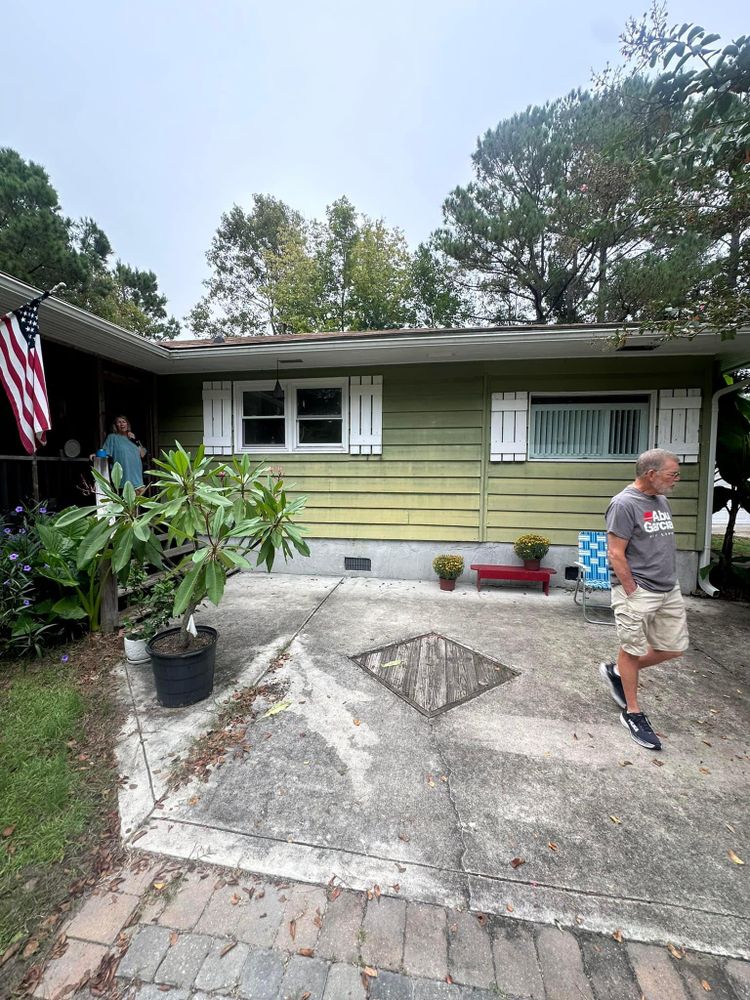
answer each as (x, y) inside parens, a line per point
(669, 475)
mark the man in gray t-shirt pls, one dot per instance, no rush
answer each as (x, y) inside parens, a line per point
(646, 599)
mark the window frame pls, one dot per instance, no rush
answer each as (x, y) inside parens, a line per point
(290, 387)
(651, 396)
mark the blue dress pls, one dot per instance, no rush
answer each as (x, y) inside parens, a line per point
(121, 449)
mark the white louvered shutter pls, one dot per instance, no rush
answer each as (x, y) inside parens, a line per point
(508, 426)
(366, 415)
(678, 426)
(217, 418)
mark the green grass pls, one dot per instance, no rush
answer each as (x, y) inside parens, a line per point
(58, 818)
(39, 790)
(741, 547)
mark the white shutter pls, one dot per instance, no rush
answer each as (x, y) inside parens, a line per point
(678, 427)
(366, 415)
(217, 418)
(508, 426)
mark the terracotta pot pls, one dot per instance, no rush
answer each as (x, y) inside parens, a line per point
(447, 584)
(532, 563)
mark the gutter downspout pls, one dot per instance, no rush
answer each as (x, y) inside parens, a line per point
(705, 558)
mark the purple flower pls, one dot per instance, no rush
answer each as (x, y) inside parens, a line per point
(8, 531)
(64, 658)
(27, 568)
(22, 531)
(13, 556)
(42, 510)
(26, 602)
(19, 510)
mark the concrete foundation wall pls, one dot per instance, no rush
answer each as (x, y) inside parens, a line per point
(393, 560)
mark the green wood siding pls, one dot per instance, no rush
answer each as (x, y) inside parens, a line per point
(434, 480)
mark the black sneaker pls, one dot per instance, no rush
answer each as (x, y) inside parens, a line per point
(640, 730)
(612, 680)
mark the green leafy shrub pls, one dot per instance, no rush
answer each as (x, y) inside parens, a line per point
(27, 622)
(448, 567)
(531, 546)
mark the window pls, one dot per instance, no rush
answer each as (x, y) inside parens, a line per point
(319, 415)
(582, 427)
(310, 415)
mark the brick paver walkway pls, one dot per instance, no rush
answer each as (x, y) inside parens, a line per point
(159, 929)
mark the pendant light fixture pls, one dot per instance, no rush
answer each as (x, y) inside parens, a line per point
(278, 391)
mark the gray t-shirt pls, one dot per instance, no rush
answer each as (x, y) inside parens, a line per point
(646, 523)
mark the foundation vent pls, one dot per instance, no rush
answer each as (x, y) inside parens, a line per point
(350, 562)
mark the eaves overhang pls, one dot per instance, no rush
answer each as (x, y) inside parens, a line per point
(67, 324)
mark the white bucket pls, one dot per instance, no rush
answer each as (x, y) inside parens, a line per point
(135, 650)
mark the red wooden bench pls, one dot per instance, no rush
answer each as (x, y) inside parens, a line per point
(490, 571)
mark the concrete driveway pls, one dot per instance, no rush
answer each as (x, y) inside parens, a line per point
(351, 781)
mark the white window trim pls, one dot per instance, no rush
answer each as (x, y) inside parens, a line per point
(290, 387)
(651, 394)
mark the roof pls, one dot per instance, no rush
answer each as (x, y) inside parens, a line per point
(66, 324)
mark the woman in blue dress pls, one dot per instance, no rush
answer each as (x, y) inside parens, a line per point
(122, 446)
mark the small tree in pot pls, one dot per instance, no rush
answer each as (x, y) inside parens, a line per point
(227, 511)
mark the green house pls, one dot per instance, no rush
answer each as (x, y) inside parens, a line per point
(409, 443)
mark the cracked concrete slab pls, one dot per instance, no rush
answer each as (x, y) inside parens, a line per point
(352, 782)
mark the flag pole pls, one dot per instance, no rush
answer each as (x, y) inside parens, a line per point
(34, 461)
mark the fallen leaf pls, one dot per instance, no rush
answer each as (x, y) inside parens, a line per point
(376, 891)
(449, 979)
(158, 886)
(706, 985)
(31, 946)
(9, 830)
(733, 857)
(430, 781)
(280, 706)
(396, 887)
(618, 936)
(357, 722)
(227, 948)
(658, 763)
(137, 836)
(675, 952)
(235, 899)
(193, 800)
(517, 862)
(626, 763)
(406, 838)
(292, 929)
(306, 995)
(552, 845)
(615, 819)
(509, 908)
(730, 828)
(369, 971)
(704, 770)
(482, 918)
(174, 937)
(335, 893)
(391, 663)
(306, 952)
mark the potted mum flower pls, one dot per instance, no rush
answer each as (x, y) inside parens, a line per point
(531, 549)
(448, 568)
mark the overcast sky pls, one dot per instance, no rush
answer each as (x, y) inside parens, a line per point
(155, 117)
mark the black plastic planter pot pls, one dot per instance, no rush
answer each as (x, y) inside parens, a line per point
(184, 678)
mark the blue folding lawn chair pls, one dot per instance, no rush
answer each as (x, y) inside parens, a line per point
(593, 574)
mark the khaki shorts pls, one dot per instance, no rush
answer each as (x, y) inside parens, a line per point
(647, 618)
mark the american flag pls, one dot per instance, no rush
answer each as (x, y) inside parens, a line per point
(22, 372)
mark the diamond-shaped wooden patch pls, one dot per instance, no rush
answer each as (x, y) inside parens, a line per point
(433, 673)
